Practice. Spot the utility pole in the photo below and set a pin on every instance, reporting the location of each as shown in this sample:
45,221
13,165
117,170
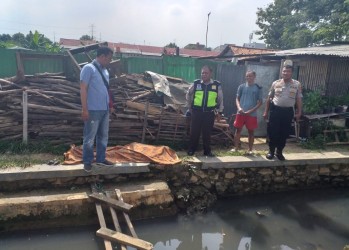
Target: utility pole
208,18
92,26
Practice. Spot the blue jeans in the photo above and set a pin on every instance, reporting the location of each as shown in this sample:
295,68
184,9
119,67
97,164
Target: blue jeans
96,127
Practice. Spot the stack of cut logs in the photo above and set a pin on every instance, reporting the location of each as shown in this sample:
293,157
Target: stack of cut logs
54,112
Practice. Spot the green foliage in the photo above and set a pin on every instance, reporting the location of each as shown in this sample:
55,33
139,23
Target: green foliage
286,24
313,102
7,44
318,142
17,154
34,41
18,147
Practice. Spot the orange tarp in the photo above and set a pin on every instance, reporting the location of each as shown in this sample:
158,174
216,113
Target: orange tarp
133,152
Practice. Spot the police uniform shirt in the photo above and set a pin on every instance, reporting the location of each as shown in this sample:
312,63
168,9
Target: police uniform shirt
190,95
285,94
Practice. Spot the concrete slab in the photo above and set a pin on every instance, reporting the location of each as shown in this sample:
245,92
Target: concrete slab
45,171
260,161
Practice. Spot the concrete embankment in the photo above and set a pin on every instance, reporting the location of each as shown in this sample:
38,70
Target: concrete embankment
45,195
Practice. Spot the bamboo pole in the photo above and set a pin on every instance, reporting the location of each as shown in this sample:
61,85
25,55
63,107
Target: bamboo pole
25,116
145,121
160,121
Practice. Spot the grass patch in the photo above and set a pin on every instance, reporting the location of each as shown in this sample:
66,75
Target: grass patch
18,147
27,160
316,143
18,154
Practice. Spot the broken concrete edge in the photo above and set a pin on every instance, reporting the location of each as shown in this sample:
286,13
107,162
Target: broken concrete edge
155,196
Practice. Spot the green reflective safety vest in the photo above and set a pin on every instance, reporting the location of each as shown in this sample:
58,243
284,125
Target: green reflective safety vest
205,96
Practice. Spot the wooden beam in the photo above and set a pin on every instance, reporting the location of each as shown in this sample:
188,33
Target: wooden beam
126,216
145,121
55,109
119,205
115,219
87,48
107,243
20,66
25,117
108,234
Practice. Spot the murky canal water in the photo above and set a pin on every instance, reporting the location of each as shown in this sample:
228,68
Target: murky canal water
301,220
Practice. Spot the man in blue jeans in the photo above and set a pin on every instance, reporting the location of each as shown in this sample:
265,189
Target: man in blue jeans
96,106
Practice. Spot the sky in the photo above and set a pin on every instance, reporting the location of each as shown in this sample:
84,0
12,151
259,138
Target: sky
142,22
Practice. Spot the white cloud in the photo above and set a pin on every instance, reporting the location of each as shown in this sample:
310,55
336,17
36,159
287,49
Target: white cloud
153,22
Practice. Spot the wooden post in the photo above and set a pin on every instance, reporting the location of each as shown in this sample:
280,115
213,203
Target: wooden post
25,116
126,216
176,126
20,66
145,121
77,67
160,121
115,219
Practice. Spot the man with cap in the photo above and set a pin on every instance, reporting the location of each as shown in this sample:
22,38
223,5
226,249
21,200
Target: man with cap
284,95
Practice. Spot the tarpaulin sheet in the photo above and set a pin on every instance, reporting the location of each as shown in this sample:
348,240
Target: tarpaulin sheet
130,153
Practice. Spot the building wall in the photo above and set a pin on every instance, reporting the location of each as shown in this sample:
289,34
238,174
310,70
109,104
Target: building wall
338,78
330,76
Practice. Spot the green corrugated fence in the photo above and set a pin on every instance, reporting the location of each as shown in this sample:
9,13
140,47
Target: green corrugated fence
186,68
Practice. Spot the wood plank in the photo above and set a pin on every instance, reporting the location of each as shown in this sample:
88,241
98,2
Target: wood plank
337,143
19,62
124,239
107,243
119,205
115,219
145,121
126,216
88,47
55,109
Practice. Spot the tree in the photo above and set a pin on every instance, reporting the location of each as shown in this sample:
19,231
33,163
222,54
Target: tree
5,38
34,41
171,45
19,39
85,37
286,24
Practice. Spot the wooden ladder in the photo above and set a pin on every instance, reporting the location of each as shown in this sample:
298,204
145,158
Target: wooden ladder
336,133
116,235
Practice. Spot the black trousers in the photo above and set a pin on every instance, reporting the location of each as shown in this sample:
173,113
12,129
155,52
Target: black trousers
279,127
201,123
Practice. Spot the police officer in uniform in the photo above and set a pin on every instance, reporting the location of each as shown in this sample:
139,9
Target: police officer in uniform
284,95
205,102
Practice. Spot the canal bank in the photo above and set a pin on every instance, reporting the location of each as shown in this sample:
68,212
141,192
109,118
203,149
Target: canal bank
56,195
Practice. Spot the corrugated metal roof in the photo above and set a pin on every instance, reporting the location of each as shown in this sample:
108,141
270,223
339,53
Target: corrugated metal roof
233,50
341,50
140,49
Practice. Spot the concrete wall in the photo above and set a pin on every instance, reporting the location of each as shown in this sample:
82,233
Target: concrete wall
190,187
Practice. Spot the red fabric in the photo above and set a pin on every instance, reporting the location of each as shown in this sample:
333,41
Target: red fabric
249,121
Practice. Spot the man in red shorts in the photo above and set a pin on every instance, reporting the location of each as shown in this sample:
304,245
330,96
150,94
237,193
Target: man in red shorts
248,100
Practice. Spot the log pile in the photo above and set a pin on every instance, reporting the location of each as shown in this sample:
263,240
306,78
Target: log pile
54,111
